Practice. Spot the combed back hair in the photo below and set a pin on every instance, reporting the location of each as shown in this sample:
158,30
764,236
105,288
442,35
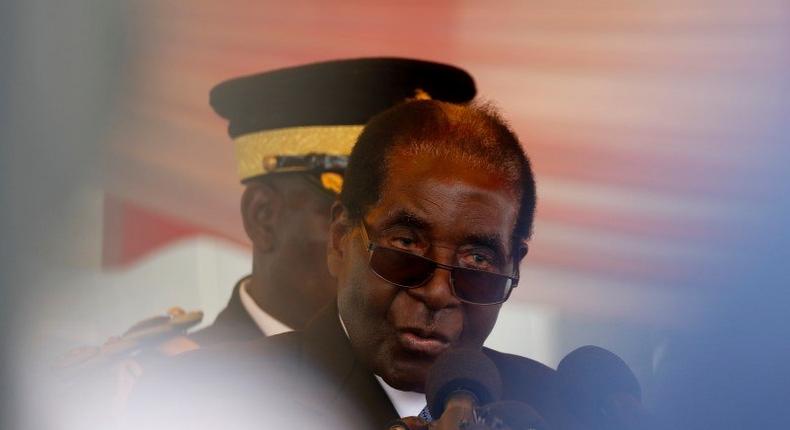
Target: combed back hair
474,134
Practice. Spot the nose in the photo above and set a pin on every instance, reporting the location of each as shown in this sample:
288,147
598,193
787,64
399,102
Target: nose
437,293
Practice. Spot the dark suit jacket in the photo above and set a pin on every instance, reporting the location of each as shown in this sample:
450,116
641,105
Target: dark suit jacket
311,376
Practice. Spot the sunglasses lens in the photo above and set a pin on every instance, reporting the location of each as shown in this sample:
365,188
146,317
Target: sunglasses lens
479,287
401,268
409,270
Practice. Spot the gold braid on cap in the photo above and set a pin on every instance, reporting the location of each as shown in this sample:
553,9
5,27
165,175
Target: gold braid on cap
254,148
254,151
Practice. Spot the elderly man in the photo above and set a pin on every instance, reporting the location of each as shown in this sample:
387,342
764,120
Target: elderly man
427,239
425,244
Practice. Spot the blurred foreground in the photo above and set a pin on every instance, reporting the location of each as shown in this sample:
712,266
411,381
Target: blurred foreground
658,133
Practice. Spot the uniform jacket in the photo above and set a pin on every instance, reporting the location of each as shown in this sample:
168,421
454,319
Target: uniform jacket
233,324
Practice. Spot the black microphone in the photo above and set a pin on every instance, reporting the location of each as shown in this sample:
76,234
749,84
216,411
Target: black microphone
463,391
600,389
463,374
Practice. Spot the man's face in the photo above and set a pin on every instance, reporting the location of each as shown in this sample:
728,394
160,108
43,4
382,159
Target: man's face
298,259
445,211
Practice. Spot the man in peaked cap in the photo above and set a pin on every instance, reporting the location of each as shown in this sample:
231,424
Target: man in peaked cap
293,130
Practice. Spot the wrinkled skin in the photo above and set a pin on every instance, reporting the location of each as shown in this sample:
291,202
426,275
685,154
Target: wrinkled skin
441,209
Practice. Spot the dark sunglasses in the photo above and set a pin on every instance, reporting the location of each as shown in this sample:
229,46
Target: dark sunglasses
406,270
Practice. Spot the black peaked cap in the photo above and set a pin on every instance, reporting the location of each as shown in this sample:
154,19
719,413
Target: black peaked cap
342,92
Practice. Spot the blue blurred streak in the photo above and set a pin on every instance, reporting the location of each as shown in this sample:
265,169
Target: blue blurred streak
731,369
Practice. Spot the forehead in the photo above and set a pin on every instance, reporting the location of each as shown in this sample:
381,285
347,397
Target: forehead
451,196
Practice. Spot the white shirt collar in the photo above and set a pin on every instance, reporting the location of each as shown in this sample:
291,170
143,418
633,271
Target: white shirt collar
269,325
407,403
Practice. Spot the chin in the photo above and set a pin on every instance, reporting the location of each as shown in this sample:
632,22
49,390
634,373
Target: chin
408,382
408,373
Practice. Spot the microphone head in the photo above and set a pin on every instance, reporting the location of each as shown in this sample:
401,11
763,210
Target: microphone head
596,385
461,369
512,414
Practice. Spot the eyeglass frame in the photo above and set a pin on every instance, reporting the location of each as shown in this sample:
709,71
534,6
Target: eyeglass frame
371,246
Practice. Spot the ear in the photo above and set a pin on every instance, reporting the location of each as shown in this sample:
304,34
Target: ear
523,249
339,229
260,210
519,252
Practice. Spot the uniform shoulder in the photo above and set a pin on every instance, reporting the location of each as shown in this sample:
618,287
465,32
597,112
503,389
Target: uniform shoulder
162,335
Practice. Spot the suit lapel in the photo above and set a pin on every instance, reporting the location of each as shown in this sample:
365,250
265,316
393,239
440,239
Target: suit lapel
349,387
